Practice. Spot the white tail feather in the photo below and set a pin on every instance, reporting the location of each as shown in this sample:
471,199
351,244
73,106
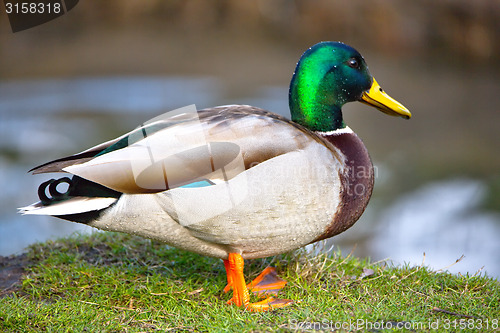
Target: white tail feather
71,206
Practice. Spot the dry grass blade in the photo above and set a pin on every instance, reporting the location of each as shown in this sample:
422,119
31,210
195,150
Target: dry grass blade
436,309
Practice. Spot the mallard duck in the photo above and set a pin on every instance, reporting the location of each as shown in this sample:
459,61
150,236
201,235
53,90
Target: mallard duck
234,182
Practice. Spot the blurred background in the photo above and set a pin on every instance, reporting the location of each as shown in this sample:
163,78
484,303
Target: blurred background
106,66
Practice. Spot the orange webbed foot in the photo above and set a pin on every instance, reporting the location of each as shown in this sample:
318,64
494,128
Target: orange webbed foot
267,282
269,304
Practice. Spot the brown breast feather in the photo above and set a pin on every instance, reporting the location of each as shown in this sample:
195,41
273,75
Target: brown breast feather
357,183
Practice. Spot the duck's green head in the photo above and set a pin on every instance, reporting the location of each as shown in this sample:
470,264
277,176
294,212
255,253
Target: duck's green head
328,75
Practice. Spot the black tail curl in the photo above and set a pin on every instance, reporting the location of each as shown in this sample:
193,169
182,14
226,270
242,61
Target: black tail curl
77,186
55,195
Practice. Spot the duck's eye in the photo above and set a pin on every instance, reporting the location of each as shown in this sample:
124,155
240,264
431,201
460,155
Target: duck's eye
353,63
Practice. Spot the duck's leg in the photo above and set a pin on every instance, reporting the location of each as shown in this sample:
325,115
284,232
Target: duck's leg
241,297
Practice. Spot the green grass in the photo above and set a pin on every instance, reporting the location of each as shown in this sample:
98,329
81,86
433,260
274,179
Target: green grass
109,282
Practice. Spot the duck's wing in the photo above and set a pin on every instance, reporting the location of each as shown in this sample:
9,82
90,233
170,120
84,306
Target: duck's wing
84,156
149,127
210,145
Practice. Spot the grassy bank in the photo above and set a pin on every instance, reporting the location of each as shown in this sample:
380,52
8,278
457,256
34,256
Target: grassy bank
108,282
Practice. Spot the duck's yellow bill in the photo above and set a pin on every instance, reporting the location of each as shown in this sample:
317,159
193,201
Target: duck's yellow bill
377,98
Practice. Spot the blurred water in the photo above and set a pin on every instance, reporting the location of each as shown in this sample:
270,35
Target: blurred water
444,221
46,119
